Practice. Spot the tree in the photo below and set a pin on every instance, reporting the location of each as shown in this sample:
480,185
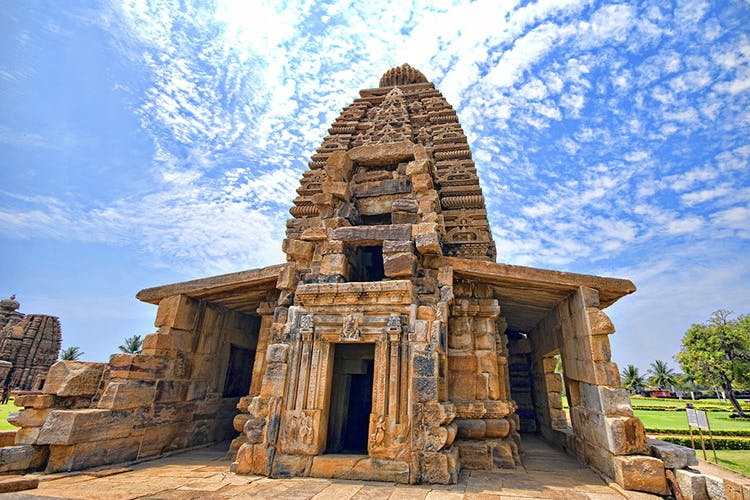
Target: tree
632,380
661,374
132,345
718,353
71,353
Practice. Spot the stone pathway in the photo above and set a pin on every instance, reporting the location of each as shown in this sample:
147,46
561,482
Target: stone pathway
203,473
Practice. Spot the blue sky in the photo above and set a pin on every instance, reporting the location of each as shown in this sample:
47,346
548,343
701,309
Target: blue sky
143,143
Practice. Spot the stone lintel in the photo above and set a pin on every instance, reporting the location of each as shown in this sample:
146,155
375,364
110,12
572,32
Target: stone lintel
387,292
214,286
610,289
373,234
382,154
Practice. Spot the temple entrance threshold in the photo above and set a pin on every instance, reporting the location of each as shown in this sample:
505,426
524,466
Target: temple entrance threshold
547,473
351,398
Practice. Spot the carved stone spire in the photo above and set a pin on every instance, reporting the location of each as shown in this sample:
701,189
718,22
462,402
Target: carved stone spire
402,75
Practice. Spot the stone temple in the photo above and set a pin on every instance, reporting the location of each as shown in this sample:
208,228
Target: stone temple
389,346
29,345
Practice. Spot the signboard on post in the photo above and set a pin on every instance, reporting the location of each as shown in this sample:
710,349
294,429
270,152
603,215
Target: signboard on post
702,420
692,417
699,419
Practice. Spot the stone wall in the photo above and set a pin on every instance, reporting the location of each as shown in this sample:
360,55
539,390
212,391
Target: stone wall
140,405
604,432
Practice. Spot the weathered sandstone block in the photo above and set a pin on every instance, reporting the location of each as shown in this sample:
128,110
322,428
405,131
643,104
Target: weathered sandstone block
73,378
334,264
715,487
418,167
83,455
177,311
28,417
421,182
612,402
599,322
139,367
37,401
298,249
396,246
382,154
340,190
372,234
339,166
127,394
397,265
626,435
475,454
289,465
66,427
692,484
7,438
641,473
22,457
673,455
18,483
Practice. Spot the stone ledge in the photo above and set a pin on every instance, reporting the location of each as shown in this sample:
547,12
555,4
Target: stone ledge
359,467
17,483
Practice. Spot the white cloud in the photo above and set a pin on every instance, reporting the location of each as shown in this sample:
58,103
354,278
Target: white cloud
686,225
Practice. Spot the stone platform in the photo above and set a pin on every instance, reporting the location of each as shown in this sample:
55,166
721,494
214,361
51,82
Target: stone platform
203,473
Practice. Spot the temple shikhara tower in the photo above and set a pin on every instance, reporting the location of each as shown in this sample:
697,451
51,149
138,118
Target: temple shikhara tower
29,345
389,346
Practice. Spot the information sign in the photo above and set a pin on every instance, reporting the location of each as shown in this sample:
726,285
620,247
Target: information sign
702,419
692,417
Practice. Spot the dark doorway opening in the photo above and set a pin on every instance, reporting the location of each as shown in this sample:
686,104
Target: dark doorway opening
367,264
376,220
351,398
239,371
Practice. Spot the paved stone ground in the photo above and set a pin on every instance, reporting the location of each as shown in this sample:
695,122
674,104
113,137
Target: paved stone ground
203,473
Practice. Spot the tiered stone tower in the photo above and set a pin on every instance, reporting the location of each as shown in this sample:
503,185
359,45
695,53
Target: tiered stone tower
30,343
389,346
405,120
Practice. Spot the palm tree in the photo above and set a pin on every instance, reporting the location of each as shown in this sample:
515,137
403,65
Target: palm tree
632,380
132,345
71,353
661,374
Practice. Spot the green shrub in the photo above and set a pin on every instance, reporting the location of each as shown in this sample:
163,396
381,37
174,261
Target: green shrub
716,433
721,443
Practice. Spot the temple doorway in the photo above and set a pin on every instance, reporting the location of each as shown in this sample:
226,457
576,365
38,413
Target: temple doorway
351,398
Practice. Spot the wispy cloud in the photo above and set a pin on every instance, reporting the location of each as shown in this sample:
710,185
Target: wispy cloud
597,127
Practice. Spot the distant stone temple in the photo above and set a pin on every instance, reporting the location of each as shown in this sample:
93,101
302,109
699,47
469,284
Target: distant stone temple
29,345
390,345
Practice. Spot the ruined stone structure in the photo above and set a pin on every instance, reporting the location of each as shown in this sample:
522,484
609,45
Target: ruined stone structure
29,345
389,346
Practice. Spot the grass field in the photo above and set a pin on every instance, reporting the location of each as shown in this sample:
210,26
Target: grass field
660,419
4,411
734,460
639,401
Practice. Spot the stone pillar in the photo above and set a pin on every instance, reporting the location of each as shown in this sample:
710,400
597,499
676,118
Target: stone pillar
487,430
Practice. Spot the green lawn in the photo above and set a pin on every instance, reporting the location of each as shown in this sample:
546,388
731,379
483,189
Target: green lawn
735,460
640,401
4,410
660,419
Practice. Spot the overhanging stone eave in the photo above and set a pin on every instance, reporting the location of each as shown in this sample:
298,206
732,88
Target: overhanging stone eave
225,289
610,289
